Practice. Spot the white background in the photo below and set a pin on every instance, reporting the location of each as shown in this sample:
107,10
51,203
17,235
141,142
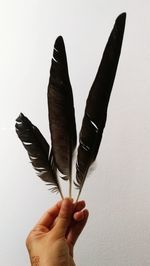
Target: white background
117,192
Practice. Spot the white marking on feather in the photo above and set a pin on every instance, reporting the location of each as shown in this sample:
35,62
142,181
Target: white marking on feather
41,173
61,175
56,50
27,143
40,168
55,60
19,122
33,158
96,128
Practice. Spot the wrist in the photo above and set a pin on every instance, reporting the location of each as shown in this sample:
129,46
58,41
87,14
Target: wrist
35,261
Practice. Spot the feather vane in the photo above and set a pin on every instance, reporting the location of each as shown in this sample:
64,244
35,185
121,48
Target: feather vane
97,103
50,163
61,112
38,150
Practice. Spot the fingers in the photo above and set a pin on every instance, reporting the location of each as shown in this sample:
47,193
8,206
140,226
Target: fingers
78,206
60,216
78,215
77,227
49,216
64,217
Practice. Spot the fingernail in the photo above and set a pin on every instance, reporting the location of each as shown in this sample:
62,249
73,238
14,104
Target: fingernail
70,199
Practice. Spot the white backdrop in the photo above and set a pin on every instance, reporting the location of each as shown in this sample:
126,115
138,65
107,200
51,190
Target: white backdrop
118,191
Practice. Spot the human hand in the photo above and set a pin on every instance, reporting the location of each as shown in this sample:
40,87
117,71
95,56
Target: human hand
51,241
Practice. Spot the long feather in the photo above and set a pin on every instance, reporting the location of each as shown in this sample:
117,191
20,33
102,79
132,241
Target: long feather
97,102
38,151
61,112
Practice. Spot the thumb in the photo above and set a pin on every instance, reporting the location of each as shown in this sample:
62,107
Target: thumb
64,217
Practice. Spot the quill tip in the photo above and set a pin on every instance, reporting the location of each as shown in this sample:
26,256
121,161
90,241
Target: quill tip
20,117
120,25
59,50
22,121
121,18
59,42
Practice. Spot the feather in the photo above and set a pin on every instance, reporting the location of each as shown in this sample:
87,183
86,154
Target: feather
97,102
38,150
61,112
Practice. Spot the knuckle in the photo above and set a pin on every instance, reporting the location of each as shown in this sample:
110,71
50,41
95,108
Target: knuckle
28,241
30,238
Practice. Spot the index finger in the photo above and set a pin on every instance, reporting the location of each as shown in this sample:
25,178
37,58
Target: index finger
49,216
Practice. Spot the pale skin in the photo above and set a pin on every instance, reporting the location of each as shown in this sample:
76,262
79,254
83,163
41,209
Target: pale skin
52,240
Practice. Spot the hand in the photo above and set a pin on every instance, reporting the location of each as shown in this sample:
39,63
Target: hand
51,241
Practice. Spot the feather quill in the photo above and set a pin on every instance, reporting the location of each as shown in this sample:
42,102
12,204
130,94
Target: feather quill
61,112
97,102
38,151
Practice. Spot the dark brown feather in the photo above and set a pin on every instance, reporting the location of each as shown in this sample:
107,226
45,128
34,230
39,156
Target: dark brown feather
97,102
38,151
61,111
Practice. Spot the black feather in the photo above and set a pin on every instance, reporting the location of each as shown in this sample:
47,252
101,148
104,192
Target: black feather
62,117
61,112
38,151
97,102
